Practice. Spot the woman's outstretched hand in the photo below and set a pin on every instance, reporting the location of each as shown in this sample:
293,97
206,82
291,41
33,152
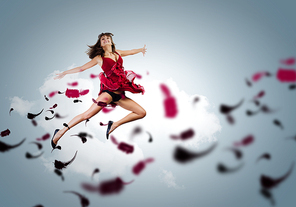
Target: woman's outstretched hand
144,49
59,76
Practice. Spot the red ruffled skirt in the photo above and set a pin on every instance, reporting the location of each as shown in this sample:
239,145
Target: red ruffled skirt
116,79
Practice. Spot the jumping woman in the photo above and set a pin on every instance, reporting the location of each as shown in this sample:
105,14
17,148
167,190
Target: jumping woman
114,82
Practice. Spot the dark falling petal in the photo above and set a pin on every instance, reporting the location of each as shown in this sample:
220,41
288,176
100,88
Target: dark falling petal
83,138
257,103
248,83
30,156
245,141
266,109
65,125
5,147
238,153
47,118
137,130
195,100
90,187
77,100
268,182
83,200
54,106
230,119
102,124
125,147
11,109
61,165
111,186
32,116
59,173
51,111
187,134
44,137
278,123
59,92
97,170
46,98
150,137
59,116
264,156
34,122
251,113
225,109
38,205
268,195
39,145
5,133
292,87
183,155
87,120
57,147
224,169
113,139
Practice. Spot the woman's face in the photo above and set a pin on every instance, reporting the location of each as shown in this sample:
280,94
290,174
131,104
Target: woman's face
106,40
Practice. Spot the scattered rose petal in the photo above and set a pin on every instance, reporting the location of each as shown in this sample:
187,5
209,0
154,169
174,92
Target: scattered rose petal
34,122
224,169
286,75
83,200
264,156
288,61
268,182
39,145
245,141
248,83
54,106
5,133
59,173
106,110
73,84
44,137
11,109
97,170
52,94
225,109
5,147
278,123
77,100
139,167
61,165
238,153
187,134
30,156
46,98
32,116
268,195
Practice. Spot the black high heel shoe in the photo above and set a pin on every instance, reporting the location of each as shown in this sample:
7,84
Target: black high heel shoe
108,129
52,143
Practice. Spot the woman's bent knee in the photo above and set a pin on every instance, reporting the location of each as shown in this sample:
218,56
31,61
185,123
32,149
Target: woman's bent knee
142,113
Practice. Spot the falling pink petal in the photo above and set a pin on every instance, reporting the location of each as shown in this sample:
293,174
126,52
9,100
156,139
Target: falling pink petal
113,139
139,167
138,76
83,92
106,110
245,141
102,124
93,76
257,76
5,133
52,94
44,137
260,95
112,186
288,61
286,75
72,93
165,90
170,106
187,134
73,84
147,72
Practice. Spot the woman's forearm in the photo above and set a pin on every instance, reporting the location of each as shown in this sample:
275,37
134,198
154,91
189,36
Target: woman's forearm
74,70
136,51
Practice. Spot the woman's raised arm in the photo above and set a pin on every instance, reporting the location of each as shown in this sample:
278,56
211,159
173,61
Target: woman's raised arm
86,66
132,52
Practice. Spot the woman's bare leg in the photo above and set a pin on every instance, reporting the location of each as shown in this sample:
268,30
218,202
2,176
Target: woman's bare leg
137,112
93,110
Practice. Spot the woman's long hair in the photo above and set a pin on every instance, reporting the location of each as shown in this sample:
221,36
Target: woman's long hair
97,49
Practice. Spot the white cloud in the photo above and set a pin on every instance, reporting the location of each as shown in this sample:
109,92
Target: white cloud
168,178
20,105
103,154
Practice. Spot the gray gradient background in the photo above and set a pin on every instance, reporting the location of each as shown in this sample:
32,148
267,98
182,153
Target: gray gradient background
207,47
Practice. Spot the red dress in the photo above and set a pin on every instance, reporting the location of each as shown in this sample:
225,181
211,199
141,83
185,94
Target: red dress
115,78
